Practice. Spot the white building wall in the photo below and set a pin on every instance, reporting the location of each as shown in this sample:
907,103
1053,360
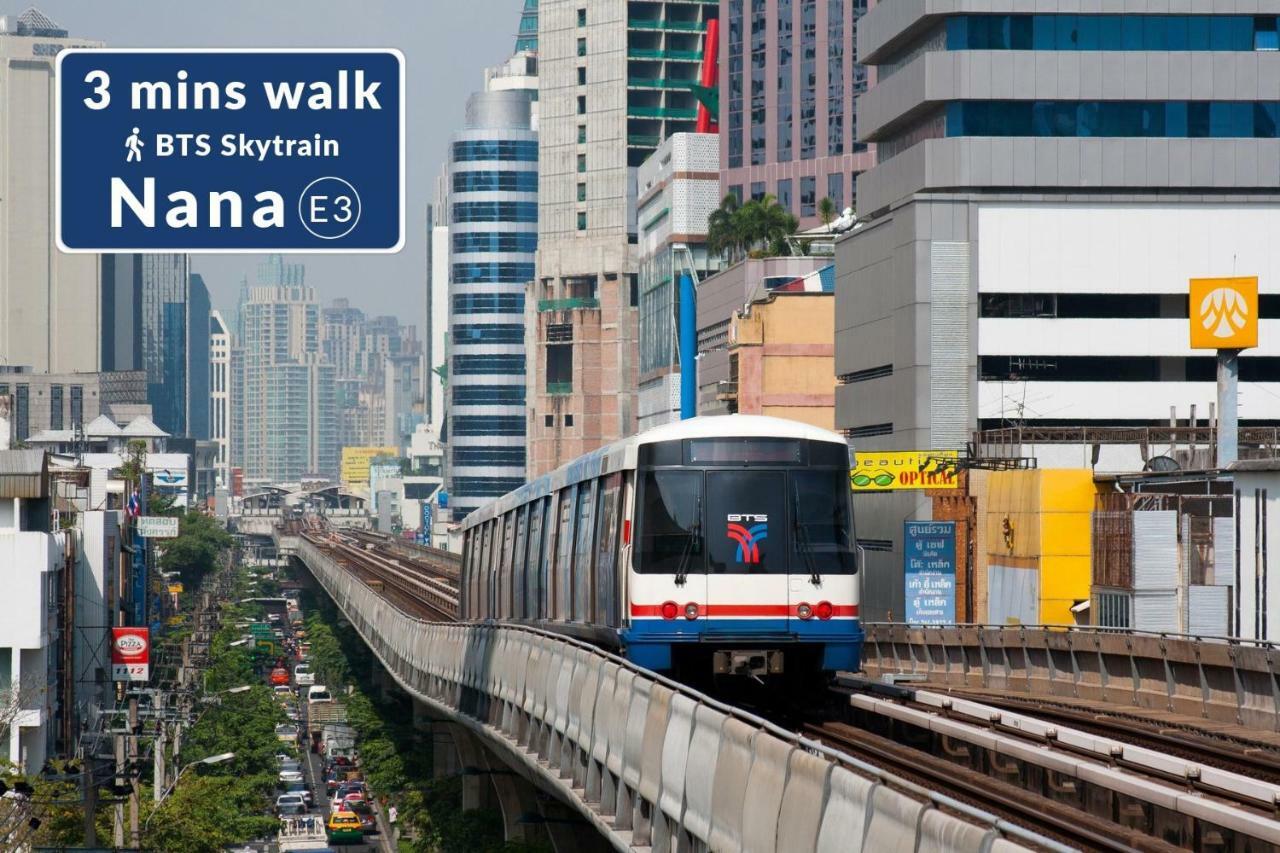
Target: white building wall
1257,611
1140,248
26,562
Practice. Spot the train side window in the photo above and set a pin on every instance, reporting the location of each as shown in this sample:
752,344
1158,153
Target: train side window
530,608
518,563
607,551
482,571
508,558
583,564
564,555
464,602
551,528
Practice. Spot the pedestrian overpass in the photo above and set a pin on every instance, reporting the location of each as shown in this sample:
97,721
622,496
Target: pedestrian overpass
629,756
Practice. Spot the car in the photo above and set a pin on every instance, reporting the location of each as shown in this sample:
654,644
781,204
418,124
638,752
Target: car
350,786
303,675
291,804
287,777
349,799
302,789
290,764
344,827
279,676
318,693
287,732
283,690
331,782
368,821
282,757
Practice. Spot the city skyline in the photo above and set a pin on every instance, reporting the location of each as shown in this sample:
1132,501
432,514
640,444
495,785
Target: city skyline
447,45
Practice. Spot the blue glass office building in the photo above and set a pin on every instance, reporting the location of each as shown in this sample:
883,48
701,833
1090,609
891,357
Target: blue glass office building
493,235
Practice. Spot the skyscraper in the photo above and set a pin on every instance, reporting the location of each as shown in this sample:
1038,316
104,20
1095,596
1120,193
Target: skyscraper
788,109
493,201
50,302
615,80
288,416
164,293
220,415
198,356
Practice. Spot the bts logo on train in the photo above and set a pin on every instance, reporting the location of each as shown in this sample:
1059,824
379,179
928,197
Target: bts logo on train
748,538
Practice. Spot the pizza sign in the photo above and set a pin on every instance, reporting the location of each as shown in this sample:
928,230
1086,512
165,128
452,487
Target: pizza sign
130,654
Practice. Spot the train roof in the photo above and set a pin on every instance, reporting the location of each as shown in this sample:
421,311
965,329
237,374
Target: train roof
612,456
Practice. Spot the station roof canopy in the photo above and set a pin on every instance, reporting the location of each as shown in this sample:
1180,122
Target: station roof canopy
24,474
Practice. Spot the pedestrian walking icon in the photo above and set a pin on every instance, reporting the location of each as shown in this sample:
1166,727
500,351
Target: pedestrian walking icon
134,143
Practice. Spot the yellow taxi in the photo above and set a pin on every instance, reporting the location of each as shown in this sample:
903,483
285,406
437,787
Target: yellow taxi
344,827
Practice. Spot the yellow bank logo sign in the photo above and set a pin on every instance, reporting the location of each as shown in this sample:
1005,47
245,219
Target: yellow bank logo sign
1224,313
891,470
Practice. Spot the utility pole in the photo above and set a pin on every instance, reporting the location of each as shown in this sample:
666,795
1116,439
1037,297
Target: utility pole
135,837
117,835
90,795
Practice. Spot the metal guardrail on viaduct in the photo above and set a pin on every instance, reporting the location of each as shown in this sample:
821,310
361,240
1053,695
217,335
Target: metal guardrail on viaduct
647,762
1224,680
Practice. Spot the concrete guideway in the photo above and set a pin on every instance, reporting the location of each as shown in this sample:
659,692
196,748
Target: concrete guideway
642,760
1226,686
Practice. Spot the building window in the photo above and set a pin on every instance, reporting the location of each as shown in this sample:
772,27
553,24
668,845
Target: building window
495,211
488,395
808,79
582,163
757,190
522,151
582,220
487,425
481,303
494,241
488,333
582,75
548,420
21,412
560,369
735,66
808,196
785,90
55,407
1160,119
759,85
1112,32
582,134
582,191
568,420
77,404
582,17
582,47
835,190
784,193
481,182
735,190
582,105
492,272
475,365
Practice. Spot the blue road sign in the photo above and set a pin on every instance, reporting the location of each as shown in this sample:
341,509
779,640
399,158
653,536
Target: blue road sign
230,150
929,557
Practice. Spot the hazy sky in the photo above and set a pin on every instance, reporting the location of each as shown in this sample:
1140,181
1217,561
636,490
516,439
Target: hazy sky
447,44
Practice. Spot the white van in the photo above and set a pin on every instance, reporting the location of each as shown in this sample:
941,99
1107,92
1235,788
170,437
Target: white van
318,693
303,676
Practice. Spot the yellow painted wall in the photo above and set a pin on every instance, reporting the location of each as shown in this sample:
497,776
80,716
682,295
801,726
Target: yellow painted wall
1050,512
355,462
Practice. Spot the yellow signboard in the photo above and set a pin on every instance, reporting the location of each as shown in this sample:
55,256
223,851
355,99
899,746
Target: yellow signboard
1224,313
355,463
893,470
175,588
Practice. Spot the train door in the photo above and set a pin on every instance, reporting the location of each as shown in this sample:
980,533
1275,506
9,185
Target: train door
747,559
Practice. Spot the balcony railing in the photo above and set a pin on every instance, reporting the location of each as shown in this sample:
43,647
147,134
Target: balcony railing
663,24
559,389
568,304
653,53
663,112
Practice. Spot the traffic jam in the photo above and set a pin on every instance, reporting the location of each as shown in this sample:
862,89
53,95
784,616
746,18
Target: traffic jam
323,798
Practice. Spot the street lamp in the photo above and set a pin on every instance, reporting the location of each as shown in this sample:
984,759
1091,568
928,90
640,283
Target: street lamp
212,759
214,696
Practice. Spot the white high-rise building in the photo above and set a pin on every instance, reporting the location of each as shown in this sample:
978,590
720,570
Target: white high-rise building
435,343
50,302
220,395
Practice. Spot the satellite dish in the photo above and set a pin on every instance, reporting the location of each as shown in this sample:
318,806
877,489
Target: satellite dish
1162,464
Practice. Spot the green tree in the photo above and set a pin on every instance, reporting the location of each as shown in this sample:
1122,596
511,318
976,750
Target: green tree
827,211
200,543
722,228
758,228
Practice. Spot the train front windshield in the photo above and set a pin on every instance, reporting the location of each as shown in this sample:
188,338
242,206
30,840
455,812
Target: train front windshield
753,520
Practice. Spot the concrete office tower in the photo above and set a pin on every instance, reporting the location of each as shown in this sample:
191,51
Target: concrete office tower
289,418
50,302
198,359
615,80
220,416
678,189
435,341
788,115
1047,185
493,201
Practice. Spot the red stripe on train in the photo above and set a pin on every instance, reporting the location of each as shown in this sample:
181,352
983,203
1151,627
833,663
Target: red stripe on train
730,610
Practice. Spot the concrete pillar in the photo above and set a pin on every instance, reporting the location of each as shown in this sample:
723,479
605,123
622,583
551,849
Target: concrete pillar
517,800
475,777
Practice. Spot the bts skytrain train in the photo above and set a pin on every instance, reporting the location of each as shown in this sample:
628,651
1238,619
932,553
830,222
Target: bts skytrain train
715,545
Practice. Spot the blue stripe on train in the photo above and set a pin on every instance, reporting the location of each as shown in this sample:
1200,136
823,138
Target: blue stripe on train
649,641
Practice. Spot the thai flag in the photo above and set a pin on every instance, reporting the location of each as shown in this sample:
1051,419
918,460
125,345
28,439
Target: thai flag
134,507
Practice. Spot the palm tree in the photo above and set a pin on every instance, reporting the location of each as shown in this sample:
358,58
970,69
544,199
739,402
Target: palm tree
723,227
827,211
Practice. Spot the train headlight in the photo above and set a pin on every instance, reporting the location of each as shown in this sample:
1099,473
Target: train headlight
670,609
824,610
691,611
804,611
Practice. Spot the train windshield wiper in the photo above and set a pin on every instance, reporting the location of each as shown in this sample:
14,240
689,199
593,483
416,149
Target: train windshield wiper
802,540
682,570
